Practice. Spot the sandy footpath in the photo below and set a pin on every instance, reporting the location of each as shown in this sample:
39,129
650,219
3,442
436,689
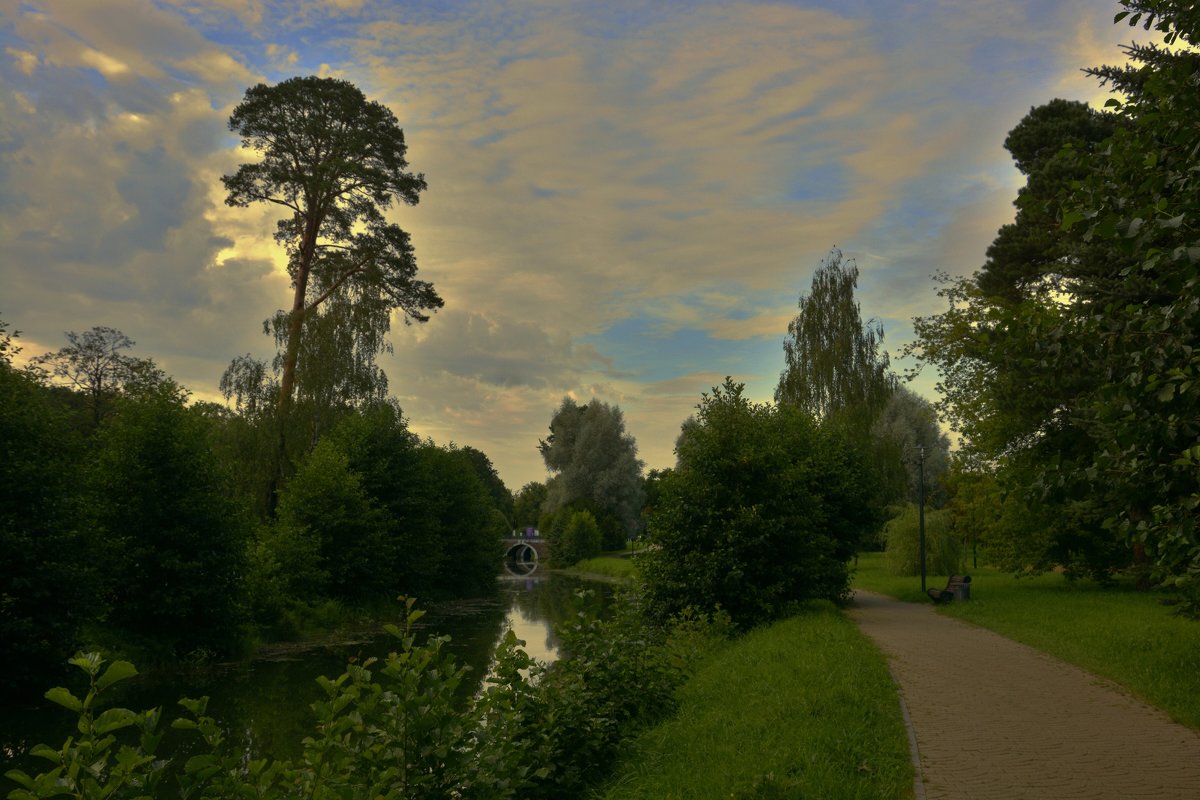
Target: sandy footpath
994,719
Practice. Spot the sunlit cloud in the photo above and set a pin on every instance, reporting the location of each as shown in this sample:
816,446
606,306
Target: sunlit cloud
624,202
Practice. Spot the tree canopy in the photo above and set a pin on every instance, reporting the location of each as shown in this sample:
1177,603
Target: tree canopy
1070,366
833,360
596,464
764,508
334,162
93,363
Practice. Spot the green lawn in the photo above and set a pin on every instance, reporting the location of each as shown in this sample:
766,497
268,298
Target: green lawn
1119,633
803,708
609,566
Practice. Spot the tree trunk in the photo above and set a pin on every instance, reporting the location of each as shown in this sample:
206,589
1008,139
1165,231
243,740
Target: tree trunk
287,380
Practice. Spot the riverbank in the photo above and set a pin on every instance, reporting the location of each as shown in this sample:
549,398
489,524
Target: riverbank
801,708
612,567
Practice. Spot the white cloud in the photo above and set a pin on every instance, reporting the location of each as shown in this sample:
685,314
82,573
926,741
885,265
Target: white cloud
687,167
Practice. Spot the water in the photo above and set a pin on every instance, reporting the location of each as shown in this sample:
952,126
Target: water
264,703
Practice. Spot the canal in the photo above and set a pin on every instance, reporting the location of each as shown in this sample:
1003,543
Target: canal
263,703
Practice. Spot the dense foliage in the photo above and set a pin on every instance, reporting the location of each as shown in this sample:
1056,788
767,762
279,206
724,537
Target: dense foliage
174,539
764,508
1069,361
46,577
596,469
148,533
396,727
833,361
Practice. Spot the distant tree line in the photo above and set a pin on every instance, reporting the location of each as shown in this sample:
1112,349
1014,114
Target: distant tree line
131,518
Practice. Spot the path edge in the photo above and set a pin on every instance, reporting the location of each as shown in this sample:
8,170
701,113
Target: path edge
914,751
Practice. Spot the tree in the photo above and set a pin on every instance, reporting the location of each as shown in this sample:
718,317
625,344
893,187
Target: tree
1143,335
48,586
836,372
596,464
580,539
175,540
833,362
1051,146
527,505
93,364
1078,388
502,498
456,519
763,509
335,162
907,424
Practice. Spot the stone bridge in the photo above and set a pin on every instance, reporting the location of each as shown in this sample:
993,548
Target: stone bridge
525,548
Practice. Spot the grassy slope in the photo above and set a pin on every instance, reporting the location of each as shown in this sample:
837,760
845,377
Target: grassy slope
609,566
1119,633
803,708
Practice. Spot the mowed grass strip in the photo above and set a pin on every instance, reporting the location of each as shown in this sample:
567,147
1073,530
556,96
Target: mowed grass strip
1116,632
803,708
610,566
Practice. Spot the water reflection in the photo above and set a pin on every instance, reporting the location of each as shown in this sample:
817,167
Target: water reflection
264,703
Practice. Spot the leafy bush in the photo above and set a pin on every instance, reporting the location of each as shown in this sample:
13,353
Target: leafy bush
580,539
763,510
394,728
943,549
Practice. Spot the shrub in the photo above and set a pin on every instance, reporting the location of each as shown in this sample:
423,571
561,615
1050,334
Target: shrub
580,539
943,550
764,509
396,728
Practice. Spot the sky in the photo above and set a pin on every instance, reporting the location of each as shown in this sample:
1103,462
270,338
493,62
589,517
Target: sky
625,201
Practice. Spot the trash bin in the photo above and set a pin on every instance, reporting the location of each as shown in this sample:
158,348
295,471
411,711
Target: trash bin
960,586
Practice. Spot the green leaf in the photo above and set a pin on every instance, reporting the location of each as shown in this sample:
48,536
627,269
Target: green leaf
17,776
197,763
48,753
1071,218
117,671
197,707
114,719
65,699
88,662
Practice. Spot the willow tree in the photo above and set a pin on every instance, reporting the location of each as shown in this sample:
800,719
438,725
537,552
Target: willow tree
595,467
334,162
833,360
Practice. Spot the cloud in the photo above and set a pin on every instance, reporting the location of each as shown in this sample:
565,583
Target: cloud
624,201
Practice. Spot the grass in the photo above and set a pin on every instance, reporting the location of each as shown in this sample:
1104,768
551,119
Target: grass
609,566
802,708
1127,636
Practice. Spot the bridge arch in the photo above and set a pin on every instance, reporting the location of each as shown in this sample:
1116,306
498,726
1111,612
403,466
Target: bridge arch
522,552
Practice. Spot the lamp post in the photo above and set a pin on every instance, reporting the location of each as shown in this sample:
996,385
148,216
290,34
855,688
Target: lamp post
921,509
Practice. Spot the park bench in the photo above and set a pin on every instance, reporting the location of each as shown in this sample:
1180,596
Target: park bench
957,588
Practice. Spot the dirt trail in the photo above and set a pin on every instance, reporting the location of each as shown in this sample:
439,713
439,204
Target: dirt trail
993,718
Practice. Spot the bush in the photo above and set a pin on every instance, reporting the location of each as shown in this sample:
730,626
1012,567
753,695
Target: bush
397,728
764,509
580,539
943,550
